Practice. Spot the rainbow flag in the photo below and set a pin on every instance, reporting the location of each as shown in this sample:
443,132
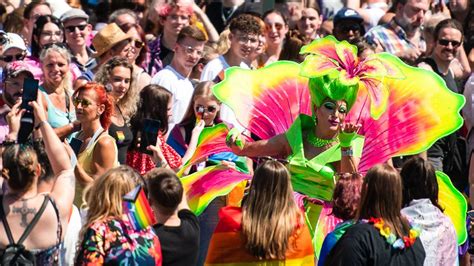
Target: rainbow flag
227,245
211,141
136,207
204,186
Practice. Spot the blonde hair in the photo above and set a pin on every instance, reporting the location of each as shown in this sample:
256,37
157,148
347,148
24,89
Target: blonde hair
128,104
223,44
270,214
66,83
103,197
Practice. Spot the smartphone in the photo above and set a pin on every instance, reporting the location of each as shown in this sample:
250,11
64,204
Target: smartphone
76,144
30,93
149,134
199,114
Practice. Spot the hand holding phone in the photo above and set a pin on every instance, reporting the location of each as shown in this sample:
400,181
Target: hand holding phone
149,134
30,93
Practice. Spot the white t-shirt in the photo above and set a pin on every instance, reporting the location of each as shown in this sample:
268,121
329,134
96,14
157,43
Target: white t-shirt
181,88
209,73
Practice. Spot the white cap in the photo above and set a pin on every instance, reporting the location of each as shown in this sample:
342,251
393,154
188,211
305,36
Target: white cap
14,41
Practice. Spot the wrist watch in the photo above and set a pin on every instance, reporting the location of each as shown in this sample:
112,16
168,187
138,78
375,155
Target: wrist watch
347,152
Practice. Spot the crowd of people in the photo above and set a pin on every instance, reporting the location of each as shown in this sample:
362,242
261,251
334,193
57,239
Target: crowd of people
85,84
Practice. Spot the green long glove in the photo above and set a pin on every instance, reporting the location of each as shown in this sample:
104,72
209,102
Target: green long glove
345,139
234,133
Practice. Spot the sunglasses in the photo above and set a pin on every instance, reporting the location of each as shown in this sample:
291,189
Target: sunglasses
84,103
138,44
263,159
73,28
455,44
11,58
350,27
278,26
202,109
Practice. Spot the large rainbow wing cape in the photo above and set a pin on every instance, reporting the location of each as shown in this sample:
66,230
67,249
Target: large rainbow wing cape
268,100
204,186
420,108
454,205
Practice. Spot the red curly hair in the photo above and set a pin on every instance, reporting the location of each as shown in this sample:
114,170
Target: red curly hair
102,98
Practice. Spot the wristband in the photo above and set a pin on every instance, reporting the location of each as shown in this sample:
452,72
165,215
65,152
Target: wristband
347,152
345,139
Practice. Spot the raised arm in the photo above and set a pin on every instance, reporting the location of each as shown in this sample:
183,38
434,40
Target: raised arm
64,185
277,146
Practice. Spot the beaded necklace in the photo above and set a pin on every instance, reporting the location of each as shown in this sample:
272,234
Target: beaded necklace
319,142
400,243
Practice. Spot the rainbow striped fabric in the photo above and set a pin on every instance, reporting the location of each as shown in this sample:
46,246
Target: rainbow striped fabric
227,247
136,207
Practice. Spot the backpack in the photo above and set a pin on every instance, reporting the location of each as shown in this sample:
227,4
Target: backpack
15,253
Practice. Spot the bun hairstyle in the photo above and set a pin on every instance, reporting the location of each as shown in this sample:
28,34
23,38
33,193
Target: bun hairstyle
19,166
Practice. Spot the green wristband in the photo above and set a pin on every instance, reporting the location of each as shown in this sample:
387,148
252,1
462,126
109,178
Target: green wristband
234,133
345,139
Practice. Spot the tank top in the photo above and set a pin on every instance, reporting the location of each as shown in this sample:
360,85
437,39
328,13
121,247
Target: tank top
85,159
123,138
448,78
58,118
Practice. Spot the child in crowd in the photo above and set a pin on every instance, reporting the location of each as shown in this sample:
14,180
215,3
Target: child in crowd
177,227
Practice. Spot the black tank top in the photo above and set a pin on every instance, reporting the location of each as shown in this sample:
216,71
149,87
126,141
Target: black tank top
448,78
123,138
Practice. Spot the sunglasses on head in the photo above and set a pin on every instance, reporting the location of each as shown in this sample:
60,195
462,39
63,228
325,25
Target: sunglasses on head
263,159
202,109
138,44
73,28
447,42
10,58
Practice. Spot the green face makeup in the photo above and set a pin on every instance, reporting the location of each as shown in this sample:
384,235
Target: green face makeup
332,106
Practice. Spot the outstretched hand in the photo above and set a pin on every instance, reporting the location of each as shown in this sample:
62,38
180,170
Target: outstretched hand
38,110
347,133
235,141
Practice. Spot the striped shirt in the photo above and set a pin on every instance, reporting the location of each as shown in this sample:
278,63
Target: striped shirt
393,38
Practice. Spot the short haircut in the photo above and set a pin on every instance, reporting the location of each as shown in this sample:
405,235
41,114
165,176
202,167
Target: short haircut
192,32
246,24
165,188
113,17
33,5
448,23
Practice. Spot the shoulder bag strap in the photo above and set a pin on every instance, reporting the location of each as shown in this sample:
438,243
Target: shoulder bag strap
34,221
5,223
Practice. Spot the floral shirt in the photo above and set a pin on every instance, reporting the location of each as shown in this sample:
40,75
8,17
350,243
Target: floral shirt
114,242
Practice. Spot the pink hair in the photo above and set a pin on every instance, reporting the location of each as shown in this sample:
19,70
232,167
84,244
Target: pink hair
166,9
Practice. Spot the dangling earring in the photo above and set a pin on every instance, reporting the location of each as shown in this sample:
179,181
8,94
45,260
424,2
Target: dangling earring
315,119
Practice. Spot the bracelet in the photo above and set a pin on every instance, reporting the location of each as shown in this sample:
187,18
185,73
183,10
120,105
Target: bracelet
9,142
40,124
347,152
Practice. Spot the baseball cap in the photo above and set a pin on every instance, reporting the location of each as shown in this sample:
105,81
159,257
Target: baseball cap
14,40
74,13
347,14
13,69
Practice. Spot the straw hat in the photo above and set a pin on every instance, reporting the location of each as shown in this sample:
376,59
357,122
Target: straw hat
107,38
